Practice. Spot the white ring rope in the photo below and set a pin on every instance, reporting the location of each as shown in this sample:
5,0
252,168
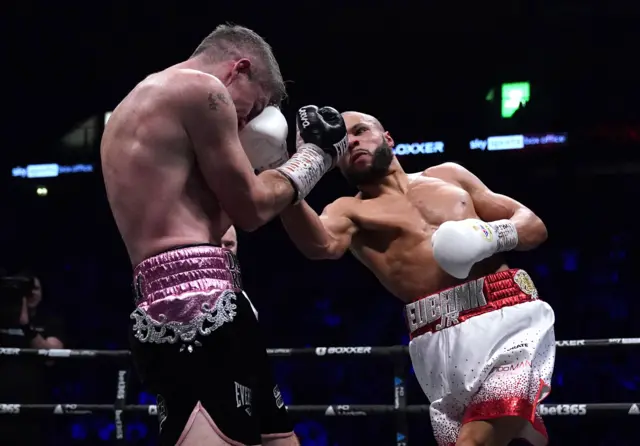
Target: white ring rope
326,410
400,407
306,351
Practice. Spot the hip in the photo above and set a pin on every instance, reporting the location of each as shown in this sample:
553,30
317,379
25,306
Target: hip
452,306
489,331
512,339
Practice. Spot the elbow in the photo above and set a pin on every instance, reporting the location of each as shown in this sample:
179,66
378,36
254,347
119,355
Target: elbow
532,231
249,223
534,236
251,218
541,230
333,254
324,253
257,212
316,252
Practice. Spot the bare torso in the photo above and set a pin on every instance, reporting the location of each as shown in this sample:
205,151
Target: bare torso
157,194
394,236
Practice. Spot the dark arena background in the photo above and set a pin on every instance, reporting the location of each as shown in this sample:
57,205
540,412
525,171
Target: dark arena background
540,102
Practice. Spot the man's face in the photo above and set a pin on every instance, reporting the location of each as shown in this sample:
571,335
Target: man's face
369,156
247,95
230,240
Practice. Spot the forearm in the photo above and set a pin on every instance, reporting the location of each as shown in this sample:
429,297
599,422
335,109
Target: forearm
272,193
306,230
292,181
530,228
280,193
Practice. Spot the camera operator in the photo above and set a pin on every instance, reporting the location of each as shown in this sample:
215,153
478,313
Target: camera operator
32,328
25,380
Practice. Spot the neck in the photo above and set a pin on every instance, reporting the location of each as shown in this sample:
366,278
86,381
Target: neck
395,182
200,63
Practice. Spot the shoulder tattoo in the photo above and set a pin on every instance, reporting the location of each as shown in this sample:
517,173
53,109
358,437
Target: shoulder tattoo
217,100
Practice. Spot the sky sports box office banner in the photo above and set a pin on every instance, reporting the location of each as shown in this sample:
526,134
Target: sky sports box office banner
492,143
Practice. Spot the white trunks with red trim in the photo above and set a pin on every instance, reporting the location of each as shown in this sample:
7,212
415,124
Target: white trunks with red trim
483,350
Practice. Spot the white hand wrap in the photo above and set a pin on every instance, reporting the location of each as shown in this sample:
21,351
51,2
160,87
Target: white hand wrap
305,168
458,245
506,234
264,139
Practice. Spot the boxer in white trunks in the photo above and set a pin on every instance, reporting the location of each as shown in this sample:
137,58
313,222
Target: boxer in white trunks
482,342
177,176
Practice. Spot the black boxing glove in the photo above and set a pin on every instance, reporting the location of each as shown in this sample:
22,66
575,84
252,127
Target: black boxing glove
324,128
325,140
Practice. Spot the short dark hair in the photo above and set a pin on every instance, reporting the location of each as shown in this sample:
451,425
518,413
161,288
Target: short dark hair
231,41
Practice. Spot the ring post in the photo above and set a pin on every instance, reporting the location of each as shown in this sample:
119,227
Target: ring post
400,400
119,406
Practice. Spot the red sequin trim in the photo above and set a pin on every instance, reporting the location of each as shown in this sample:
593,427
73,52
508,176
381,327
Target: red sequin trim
515,407
505,407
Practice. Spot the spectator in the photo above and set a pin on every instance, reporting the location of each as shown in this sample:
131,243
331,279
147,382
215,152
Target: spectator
230,240
23,380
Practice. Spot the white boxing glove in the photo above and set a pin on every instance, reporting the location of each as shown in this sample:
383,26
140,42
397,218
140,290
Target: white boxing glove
264,139
458,245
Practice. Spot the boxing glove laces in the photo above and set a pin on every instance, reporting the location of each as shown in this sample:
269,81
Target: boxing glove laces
325,140
264,139
458,245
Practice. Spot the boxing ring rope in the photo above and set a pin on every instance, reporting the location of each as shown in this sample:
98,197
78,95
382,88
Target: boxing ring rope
400,408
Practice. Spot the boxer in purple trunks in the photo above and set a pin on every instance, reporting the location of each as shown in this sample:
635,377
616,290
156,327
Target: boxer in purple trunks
179,156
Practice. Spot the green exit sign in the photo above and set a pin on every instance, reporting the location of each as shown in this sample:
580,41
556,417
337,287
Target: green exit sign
514,95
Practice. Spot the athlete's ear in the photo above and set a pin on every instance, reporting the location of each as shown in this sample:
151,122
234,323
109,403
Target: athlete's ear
242,66
387,137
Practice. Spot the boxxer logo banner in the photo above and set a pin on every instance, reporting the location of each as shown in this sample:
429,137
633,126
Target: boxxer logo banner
321,351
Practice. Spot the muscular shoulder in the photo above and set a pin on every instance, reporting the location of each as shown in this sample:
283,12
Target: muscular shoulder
193,87
202,102
458,175
193,79
448,168
443,171
450,172
343,206
173,91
